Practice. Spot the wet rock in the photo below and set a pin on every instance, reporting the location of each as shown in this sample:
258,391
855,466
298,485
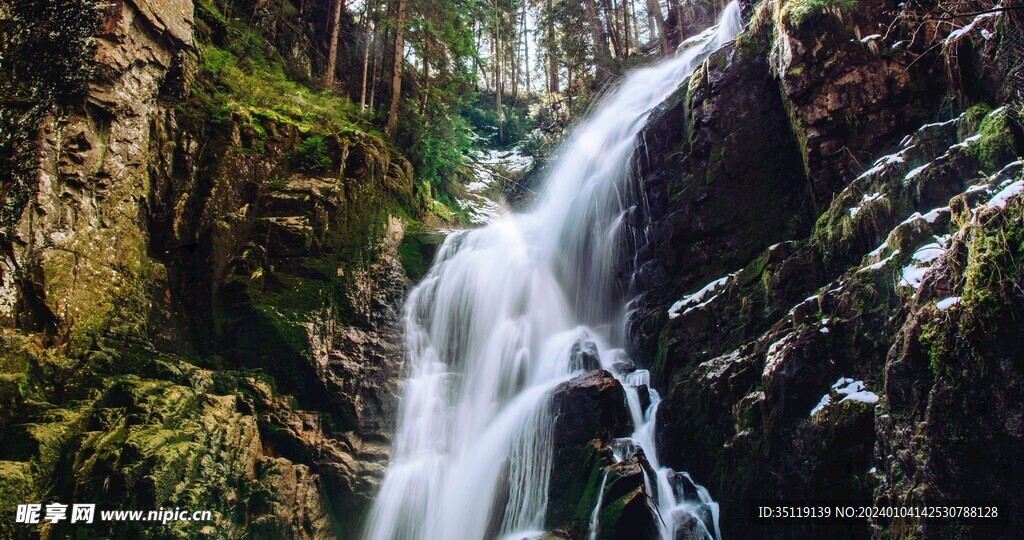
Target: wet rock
589,409
717,192
591,406
628,517
584,356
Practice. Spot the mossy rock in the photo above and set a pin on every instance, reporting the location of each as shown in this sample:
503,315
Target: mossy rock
16,487
1000,140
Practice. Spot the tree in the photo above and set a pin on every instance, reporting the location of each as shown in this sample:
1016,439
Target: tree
551,48
602,55
654,11
332,54
396,68
497,68
367,35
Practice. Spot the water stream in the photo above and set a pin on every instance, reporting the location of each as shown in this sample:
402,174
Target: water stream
491,329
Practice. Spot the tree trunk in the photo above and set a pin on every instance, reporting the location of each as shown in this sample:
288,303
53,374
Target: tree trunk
655,11
626,28
425,85
396,69
366,56
601,52
611,23
332,50
477,31
552,49
568,85
377,59
526,51
675,17
636,23
497,70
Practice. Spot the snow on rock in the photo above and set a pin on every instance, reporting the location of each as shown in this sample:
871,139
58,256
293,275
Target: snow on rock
910,175
850,389
1001,198
921,263
865,200
967,142
488,167
880,264
884,161
947,303
700,298
940,124
825,401
878,250
961,32
854,391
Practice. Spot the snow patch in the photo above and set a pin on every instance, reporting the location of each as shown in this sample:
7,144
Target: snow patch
850,389
961,32
1001,198
910,175
940,124
700,298
865,200
825,400
931,217
854,391
878,250
880,264
921,263
947,303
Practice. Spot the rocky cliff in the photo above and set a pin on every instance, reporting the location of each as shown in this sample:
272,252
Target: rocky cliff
201,277
828,290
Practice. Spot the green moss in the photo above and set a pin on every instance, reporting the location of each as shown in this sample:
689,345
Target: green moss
15,488
969,123
757,39
936,339
996,253
311,156
998,142
243,81
800,11
578,477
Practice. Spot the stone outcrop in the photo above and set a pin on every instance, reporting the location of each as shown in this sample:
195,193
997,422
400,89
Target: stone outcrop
189,320
834,354
590,410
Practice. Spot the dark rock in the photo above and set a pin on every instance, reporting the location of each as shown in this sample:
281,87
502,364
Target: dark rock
628,517
591,406
717,192
589,409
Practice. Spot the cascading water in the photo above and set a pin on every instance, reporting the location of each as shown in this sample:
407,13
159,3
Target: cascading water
491,329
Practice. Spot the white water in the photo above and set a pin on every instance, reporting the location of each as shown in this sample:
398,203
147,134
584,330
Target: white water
490,332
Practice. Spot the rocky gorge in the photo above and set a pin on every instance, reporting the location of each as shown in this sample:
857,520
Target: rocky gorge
189,319
201,293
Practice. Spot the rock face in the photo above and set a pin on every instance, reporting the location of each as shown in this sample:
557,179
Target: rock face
591,406
189,319
590,411
840,326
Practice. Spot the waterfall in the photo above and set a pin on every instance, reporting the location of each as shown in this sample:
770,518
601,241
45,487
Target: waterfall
491,329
